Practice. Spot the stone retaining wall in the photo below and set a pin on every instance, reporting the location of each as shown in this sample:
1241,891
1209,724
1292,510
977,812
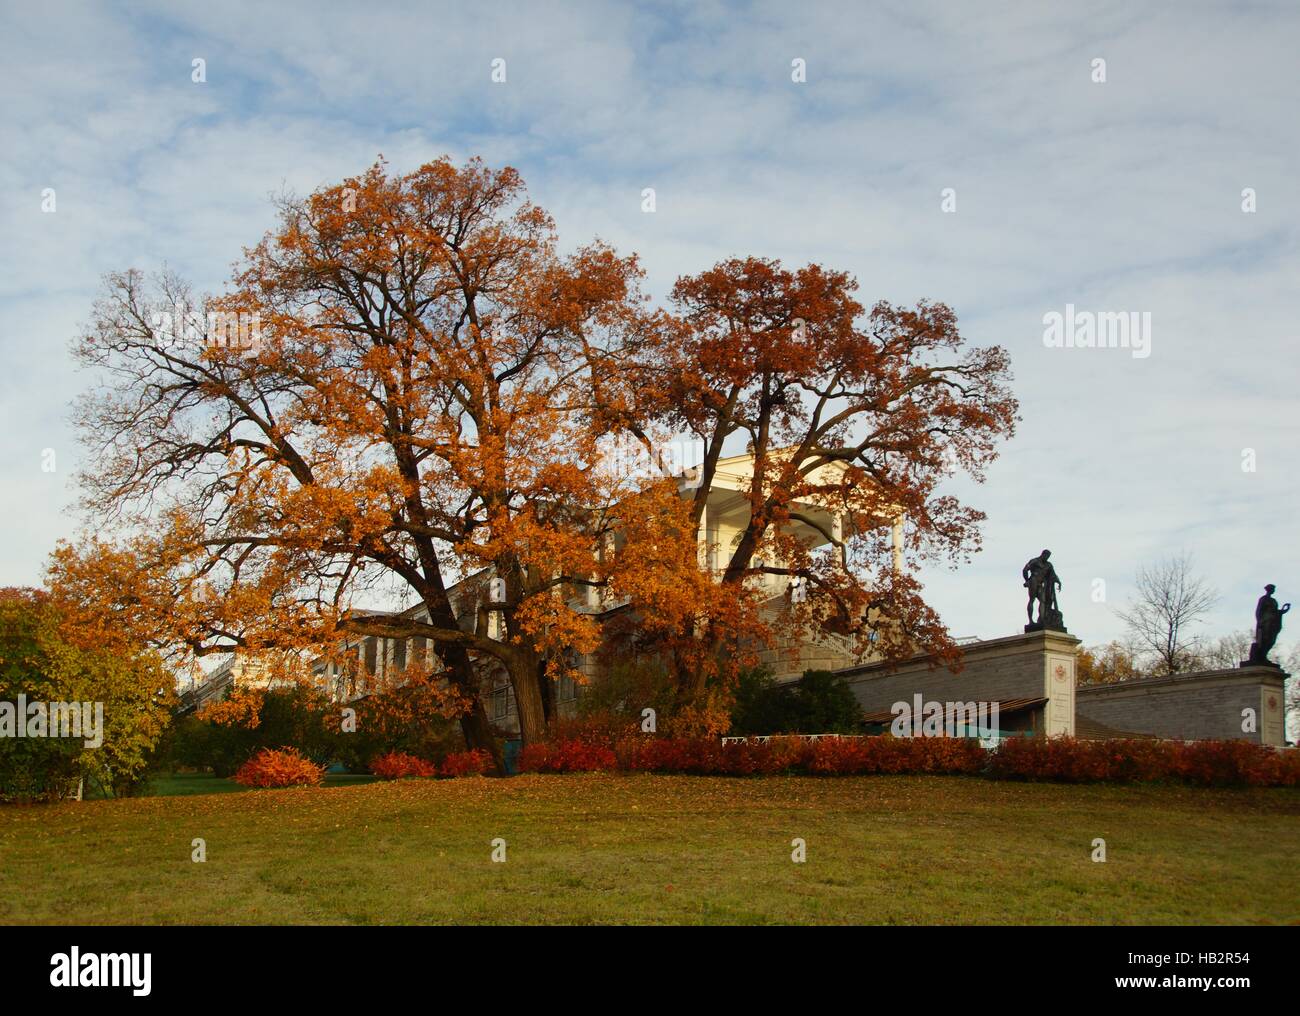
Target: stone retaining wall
1200,706
1038,664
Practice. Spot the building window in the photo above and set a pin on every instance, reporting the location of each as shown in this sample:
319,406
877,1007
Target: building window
503,702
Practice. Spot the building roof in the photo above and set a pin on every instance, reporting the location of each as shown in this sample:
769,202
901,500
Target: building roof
1090,730
1007,707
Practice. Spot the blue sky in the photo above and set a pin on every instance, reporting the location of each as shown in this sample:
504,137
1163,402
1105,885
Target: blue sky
1115,196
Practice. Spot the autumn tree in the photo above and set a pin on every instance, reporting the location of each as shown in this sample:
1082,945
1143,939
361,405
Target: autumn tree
1109,664
46,660
854,419
424,403
419,402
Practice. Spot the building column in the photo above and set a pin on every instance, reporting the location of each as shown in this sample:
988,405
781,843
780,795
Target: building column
606,552
702,539
896,539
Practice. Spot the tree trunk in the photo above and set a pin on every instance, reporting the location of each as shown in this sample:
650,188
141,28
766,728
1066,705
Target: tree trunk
474,724
478,734
528,698
546,687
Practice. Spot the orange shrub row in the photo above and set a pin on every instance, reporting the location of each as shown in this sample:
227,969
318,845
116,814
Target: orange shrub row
396,765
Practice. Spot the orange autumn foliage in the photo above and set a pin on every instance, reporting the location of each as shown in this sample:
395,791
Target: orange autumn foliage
429,402
853,419
474,762
241,708
284,768
424,402
397,765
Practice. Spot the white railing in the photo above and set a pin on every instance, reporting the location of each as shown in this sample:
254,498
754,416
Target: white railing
764,738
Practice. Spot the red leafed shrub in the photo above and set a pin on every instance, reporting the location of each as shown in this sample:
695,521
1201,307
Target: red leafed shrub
1235,763
1064,759
671,755
785,755
954,755
843,757
1202,763
1133,761
534,758
474,762
894,755
396,765
683,755
1070,760
566,757
284,768
745,758
597,728
706,756
1288,768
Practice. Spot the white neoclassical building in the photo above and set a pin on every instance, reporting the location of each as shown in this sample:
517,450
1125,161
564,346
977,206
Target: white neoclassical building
725,517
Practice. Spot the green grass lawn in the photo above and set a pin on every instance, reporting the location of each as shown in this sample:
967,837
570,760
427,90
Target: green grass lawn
184,784
642,848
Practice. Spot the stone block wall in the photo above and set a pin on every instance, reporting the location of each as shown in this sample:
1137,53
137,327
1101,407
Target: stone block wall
1038,664
1205,705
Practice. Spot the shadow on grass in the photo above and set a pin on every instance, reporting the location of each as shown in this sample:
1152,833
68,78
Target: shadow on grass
189,784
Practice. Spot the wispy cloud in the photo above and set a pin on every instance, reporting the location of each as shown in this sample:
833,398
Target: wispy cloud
1120,196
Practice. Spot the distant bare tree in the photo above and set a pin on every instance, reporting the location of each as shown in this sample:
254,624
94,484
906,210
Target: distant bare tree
1226,651
1170,599
1291,701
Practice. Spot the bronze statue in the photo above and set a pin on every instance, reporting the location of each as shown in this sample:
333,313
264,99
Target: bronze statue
1042,582
1268,626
